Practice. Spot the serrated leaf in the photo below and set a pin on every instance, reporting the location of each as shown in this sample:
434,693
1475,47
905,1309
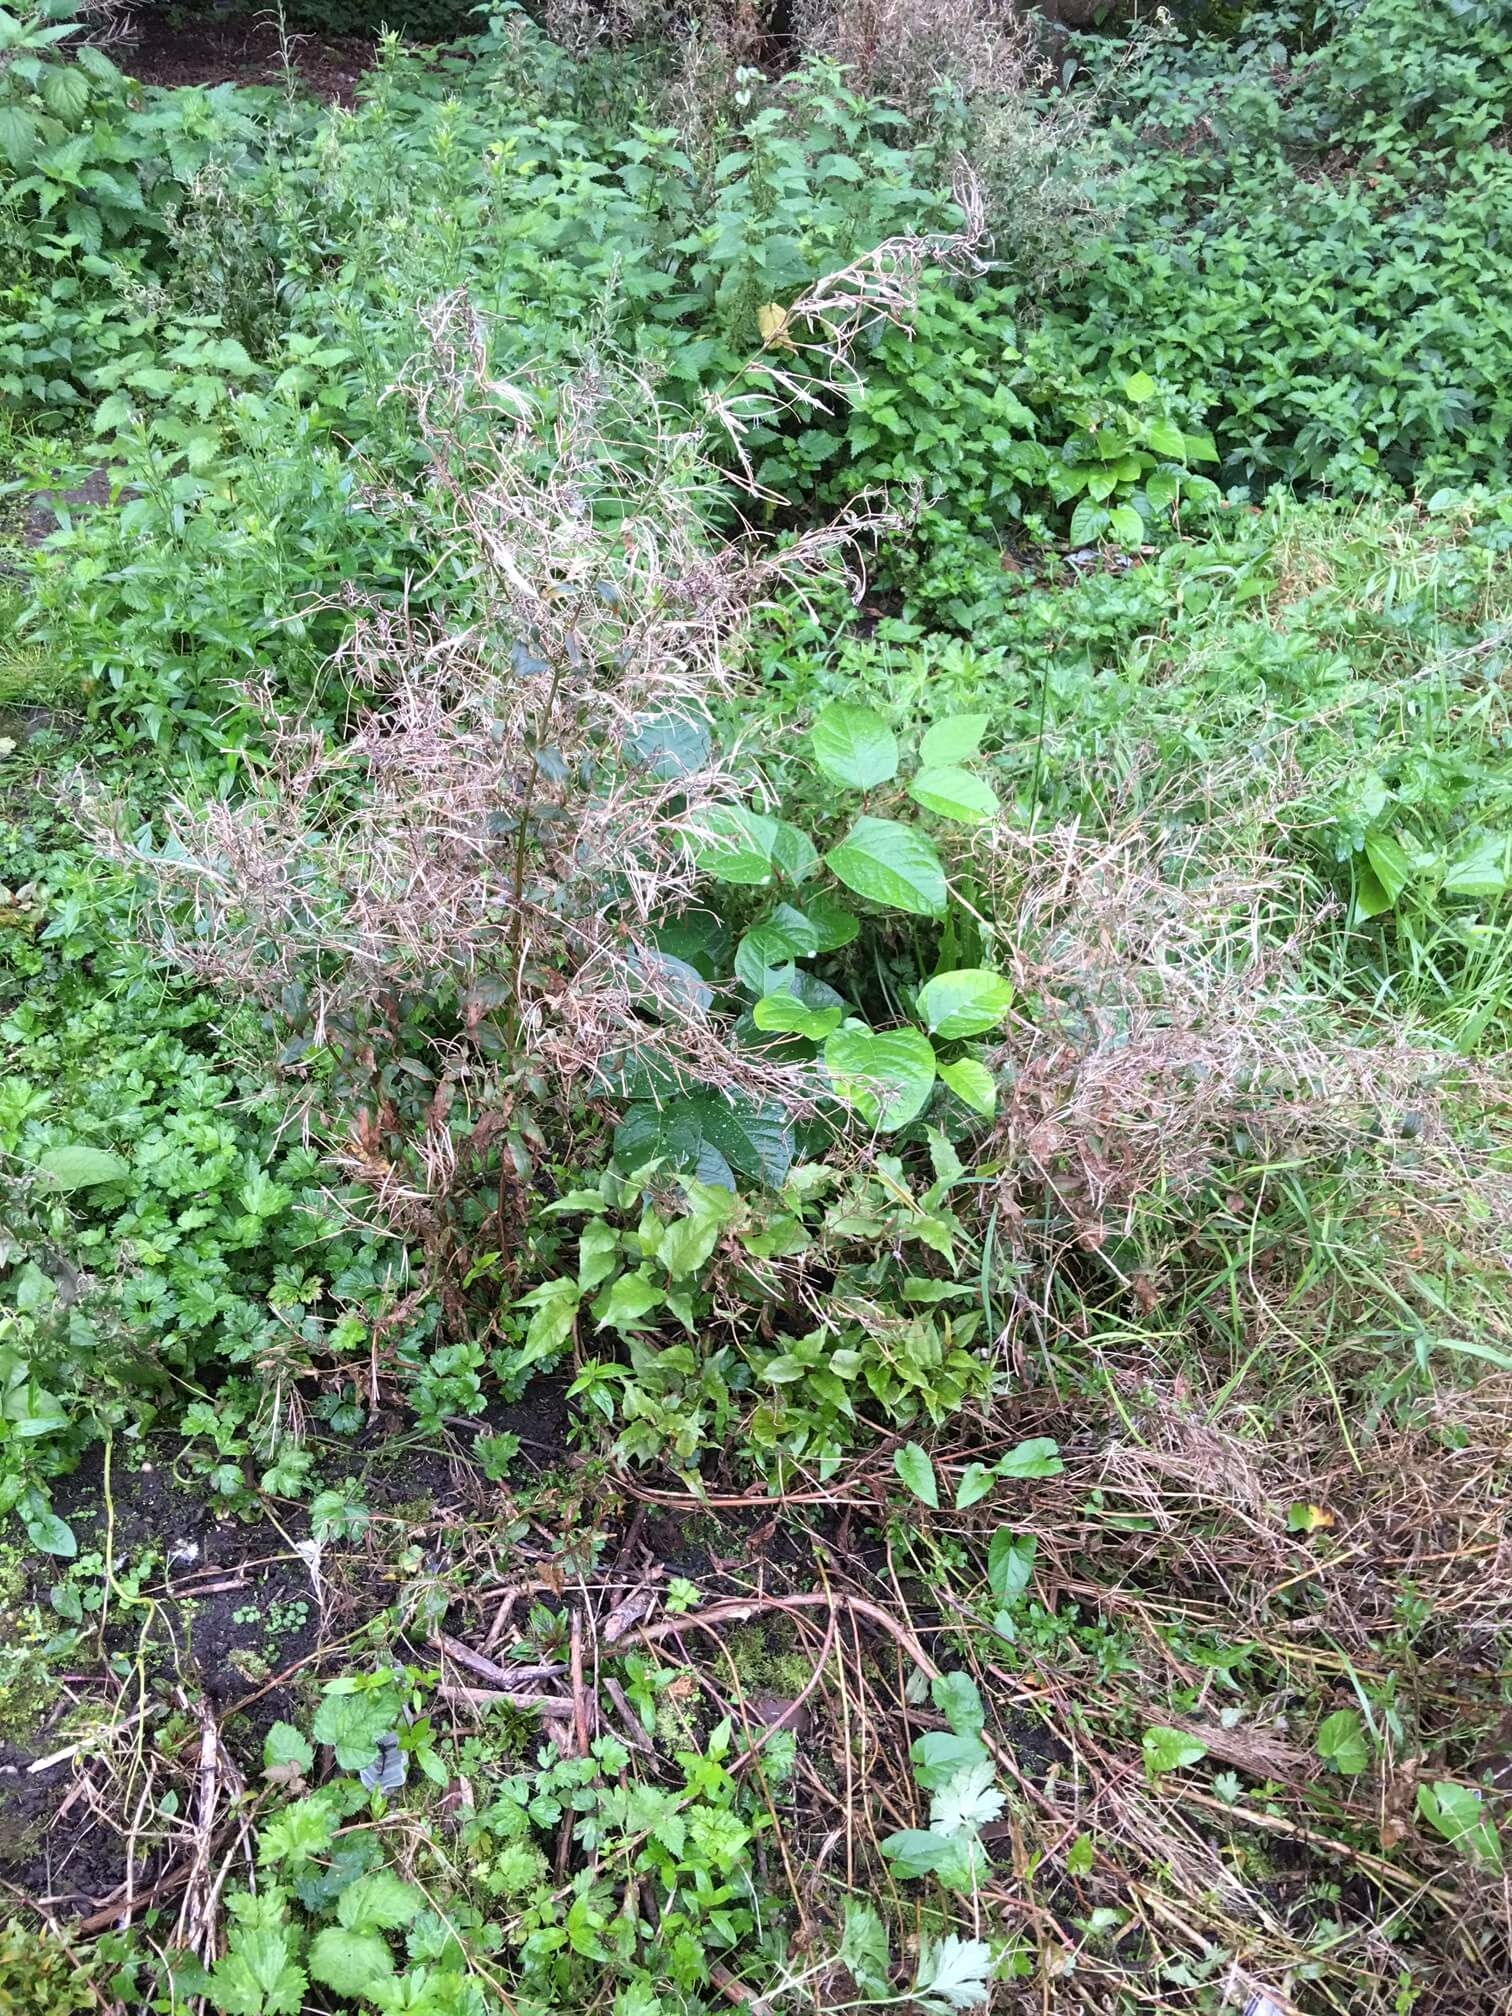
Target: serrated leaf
1168,1749
964,1003
1039,1457
917,1472
352,1723
66,91
863,1947
885,1074
954,740
351,1963
968,1803
258,1976
954,1973
953,793
78,1167
891,864
284,1748
854,746
378,1902
972,1083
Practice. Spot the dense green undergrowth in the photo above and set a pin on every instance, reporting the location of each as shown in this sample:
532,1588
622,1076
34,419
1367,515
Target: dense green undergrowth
978,1015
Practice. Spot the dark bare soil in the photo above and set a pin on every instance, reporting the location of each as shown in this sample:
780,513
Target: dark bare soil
245,49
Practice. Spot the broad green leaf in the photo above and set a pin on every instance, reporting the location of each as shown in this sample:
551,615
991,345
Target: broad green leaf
964,1003
793,853
917,1472
1481,868
885,1074
78,1167
832,923
45,1530
918,1851
599,1256
351,1963
1166,438
1125,523
785,1012
854,746
1088,523
1162,489
708,1137
939,1755
957,1698
556,1306
772,945
972,1083
734,844
1457,1812
1389,861
627,1302
956,794
956,739
1170,1749
1341,1742
1139,388
976,1481
891,864
1037,1458
687,1243
1010,1563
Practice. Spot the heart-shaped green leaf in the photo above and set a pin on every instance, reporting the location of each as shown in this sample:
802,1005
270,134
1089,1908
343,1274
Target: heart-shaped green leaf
955,794
886,1075
972,1084
891,864
854,746
956,739
964,1003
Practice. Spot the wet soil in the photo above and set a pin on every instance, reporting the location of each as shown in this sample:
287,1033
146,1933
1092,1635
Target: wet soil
245,49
